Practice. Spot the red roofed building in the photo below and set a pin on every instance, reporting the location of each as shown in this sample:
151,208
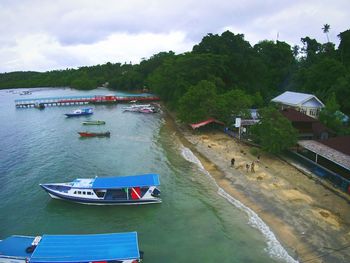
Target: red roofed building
308,127
206,122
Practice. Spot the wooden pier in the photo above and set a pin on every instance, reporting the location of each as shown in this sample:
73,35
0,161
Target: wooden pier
81,100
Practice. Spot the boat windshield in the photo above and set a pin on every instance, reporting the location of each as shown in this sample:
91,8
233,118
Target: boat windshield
83,183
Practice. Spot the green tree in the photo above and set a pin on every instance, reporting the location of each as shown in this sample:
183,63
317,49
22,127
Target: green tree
172,79
311,48
278,59
274,132
320,77
198,103
232,103
342,91
344,47
329,116
325,29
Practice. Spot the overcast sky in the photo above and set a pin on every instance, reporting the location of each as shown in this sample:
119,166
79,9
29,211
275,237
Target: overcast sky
44,35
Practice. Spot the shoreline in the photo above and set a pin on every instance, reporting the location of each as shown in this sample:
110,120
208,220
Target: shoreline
305,225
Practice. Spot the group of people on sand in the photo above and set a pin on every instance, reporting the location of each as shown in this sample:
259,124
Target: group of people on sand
248,166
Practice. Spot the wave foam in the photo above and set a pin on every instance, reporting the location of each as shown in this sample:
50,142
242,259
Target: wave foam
274,247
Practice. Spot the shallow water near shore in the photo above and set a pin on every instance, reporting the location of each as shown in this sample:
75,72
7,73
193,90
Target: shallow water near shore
193,223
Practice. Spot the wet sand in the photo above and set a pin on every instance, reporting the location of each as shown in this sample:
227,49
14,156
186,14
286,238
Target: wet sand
309,220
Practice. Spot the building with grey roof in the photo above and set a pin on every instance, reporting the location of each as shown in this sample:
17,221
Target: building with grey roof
305,103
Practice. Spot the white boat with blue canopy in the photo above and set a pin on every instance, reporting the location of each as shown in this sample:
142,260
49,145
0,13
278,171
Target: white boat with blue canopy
80,112
107,248
118,190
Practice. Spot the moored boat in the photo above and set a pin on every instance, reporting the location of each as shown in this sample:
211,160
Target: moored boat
39,106
142,108
80,112
95,134
94,122
114,247
119,190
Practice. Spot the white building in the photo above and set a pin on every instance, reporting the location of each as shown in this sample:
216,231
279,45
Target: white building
305,103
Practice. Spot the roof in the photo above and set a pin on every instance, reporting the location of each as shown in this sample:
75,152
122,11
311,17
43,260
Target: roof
206,122
295,98
316,127
327,152
296,116
16,246
126,181
86,248
341,144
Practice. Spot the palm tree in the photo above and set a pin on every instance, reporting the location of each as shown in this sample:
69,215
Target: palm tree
325,29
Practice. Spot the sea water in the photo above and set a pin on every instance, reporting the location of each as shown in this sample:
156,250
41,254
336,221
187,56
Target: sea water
196,222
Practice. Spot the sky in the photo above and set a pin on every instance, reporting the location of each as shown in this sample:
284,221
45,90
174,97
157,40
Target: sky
44,35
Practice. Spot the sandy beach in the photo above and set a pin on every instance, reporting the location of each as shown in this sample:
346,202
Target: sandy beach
310,221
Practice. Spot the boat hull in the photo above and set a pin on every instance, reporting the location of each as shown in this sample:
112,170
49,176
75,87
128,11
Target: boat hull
92,134
77,114
94,123
86,201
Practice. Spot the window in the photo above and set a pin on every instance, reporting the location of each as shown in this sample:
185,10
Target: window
100,194
313,112
75,192
84,193
79,192
89,193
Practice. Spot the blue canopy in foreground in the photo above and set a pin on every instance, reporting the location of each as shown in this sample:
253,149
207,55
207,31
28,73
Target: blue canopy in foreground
86,248
126,181
15,246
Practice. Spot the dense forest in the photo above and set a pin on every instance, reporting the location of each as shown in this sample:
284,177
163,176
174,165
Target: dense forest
222,74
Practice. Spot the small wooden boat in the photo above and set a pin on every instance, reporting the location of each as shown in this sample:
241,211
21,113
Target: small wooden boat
118,190
80,112
94,122
114,247
95,134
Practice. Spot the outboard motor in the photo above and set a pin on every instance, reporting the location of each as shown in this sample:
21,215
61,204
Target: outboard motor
30,249
156,192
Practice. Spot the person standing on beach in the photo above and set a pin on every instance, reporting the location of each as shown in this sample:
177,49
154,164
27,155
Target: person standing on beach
232,162
252,167
247,167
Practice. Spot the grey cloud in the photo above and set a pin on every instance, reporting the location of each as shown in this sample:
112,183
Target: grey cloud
89,22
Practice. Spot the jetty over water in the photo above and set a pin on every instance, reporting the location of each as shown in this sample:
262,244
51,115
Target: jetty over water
81,100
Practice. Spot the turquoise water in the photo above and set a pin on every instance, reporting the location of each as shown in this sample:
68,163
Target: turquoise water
193,223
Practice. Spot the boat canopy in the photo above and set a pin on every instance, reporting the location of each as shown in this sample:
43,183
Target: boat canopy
15,246
86,248
126,181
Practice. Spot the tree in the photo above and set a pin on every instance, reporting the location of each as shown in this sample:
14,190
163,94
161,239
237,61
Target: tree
198,103
325,29
342,92
311,48
232,103
344,47
295,51
329,116
274,132
278,59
